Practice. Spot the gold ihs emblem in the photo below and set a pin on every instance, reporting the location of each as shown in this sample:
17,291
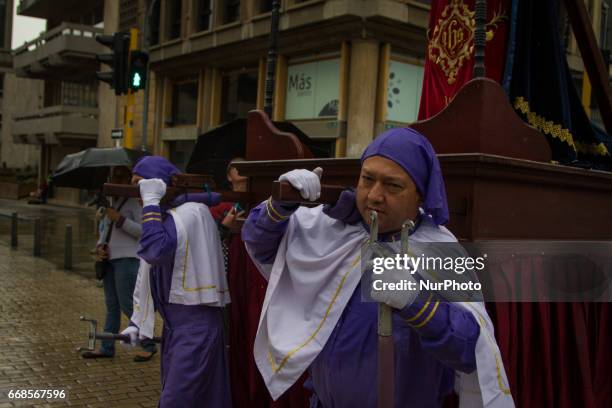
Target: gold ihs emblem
452,41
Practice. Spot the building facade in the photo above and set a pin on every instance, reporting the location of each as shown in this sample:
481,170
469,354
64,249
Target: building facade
346,68
54,87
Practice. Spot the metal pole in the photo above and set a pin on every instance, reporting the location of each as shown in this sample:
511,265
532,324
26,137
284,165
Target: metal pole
68,248
386,352
480,38
145,103
14,225
37,238
271,63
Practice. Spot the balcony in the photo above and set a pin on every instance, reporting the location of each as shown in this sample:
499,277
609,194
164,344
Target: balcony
59,125
67,52
53,9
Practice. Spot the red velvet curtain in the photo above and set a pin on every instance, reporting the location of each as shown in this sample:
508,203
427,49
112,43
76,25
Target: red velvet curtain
555,354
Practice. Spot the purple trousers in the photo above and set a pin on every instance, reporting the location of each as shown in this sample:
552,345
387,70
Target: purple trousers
193,362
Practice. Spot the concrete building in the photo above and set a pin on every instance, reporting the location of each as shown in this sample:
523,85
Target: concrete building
346,68
55,93
12,155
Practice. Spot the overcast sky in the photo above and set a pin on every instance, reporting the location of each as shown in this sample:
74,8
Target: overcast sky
25,28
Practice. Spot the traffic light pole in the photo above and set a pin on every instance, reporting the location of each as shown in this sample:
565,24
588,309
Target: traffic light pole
128,123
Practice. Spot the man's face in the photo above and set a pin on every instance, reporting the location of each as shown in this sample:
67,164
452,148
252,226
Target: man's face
386,188
237,181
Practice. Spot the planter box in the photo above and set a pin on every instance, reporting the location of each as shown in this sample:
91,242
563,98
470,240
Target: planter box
16,191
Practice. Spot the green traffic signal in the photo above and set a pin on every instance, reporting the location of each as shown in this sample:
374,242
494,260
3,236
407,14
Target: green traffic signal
138,70
136,80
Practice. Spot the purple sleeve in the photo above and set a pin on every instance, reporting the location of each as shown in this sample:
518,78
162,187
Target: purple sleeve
447,330
264,229
158,239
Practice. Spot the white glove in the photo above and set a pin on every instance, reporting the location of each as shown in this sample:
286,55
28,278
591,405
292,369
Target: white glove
151,191
306,181
133,332
398,298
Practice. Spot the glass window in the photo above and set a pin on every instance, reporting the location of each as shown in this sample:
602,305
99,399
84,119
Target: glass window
403,91
231,11
313,89
79,94
71,93
203,15
184,103
154,24
239,95
265,6
174,19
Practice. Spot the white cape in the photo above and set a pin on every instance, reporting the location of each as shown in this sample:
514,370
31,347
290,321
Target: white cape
198,275
309,285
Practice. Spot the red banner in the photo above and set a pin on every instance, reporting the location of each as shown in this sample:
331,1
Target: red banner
450,49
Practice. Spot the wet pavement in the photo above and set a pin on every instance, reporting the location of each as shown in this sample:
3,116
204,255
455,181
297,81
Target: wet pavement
40,330
54,219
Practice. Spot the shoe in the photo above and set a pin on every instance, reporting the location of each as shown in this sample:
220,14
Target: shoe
144,356
95,354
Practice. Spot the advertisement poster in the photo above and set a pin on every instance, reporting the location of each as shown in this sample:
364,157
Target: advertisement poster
312,90
403,91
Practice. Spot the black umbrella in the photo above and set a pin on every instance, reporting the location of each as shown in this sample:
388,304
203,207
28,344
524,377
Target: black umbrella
89,169
215,148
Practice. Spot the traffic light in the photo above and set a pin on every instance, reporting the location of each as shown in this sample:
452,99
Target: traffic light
137,77
119,43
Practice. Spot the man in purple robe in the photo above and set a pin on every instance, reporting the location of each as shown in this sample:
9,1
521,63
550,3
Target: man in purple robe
193,362
311,258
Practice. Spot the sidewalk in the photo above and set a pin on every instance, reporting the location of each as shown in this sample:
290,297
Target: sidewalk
40,331
53,222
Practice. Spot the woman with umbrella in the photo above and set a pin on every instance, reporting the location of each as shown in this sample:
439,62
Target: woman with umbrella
117,262
116,249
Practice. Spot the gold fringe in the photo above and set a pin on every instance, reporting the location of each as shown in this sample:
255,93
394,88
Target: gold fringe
555,130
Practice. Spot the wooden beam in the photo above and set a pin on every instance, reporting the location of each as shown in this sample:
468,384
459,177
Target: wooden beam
592,57
280,191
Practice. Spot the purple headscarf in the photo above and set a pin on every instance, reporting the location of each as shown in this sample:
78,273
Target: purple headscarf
155,167
413,152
